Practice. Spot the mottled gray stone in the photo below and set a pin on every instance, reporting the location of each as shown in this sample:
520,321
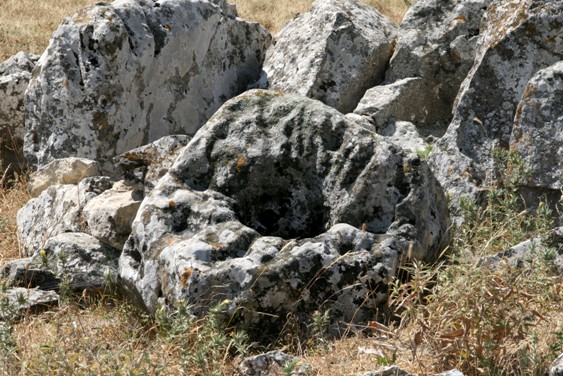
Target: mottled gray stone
80,258
404,134
436,44
147,164
281,204
272,363
517,40
22,300
537,135
57,209
333,53
556,368
120,75
15,74
109,215
62,171
388,371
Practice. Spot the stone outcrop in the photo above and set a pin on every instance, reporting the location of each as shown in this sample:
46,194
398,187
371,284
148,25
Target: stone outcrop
517,40
272,363
15,74
556,368
537,135
119,75
58,209
22,300
333,53
62,171
109,215
281,204
437,45
144,166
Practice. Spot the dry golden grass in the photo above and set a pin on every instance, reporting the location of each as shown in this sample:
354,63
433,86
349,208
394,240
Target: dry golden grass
11,200
275,14
28,24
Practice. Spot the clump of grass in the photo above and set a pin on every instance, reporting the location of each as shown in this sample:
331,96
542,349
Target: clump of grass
486,320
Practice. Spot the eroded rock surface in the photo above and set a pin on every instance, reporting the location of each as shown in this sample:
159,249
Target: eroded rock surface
334,53
518,39
120,75
15,74
281,204
62,171
437,44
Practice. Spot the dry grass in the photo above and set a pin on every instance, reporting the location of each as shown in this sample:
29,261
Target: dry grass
12,198
27,24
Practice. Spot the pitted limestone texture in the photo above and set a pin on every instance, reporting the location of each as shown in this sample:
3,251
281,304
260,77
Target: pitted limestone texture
282,204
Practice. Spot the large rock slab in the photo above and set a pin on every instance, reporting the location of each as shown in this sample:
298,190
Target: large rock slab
518,39
281,204
15,74
120,75
334,53
436,43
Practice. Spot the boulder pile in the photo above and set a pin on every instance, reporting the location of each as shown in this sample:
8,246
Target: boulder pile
180,154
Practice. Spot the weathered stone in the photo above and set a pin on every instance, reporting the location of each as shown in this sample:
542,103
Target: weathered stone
62,171
56,210
404,134
537,135
436,44
147,164
272,363
334,53
109,216
388,371
120,75
21,300
517,40
404,100
80,258
15,74
556,368
281,204
29,273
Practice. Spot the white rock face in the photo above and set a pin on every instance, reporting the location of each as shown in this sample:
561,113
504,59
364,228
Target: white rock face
56,210
537,135
15,74
120,75
109,216
334,53
282,204
437,43
518,38
62,171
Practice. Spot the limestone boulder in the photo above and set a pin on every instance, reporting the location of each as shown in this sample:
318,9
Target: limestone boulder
556,368
517,40
109,215
145,165
119,75
280,204
436,43
272,363
333,53
80,258
15,74
58,209
62,171
537,134
20,300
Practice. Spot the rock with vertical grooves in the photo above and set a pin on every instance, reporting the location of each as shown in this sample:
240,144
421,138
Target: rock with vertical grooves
281,205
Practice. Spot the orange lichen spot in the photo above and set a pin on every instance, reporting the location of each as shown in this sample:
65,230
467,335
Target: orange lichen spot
170,241
65,82
240,162
458,20
549,40
167,27
171,204
364,227
185,276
